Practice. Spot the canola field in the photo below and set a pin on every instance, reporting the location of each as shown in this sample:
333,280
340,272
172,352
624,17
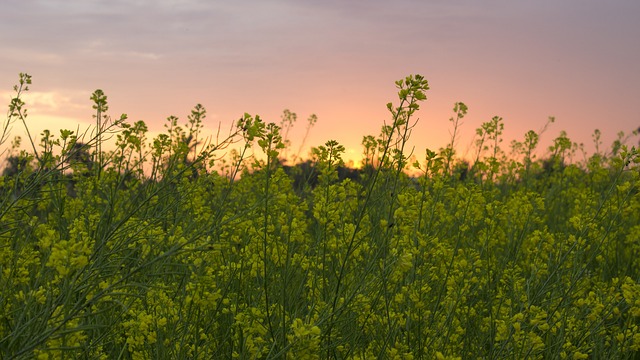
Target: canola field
162,249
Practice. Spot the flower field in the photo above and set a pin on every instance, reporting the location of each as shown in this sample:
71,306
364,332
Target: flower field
164,249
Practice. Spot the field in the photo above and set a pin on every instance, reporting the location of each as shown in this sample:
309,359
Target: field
147,252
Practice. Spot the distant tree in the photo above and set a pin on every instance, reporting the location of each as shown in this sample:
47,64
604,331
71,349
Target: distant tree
461,170
79,154
303,174
15,164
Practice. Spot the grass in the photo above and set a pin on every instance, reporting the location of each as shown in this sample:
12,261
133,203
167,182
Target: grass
146,252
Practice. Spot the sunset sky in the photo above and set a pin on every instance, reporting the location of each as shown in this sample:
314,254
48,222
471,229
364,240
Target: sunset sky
577,60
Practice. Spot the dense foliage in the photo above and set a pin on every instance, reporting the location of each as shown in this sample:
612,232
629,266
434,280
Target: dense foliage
146,252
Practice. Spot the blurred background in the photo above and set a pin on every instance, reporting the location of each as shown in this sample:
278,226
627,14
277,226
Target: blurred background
577,60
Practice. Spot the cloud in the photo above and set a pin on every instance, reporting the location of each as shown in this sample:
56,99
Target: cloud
50,102
46,110
53,101
107,51
27,55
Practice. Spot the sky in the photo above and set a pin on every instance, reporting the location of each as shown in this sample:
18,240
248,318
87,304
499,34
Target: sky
576,60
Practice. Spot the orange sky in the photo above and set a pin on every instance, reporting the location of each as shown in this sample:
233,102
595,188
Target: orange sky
576,60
